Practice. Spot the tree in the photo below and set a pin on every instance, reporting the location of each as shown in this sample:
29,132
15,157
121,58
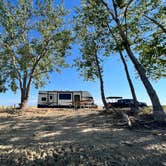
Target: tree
95,45
125,17
157,108
103,39
89,64
33,43
119,49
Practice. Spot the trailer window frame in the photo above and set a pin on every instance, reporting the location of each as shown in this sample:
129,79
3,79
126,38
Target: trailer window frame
65,96
43,99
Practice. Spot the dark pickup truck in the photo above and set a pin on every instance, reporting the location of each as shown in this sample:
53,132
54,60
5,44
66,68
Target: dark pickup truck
125,103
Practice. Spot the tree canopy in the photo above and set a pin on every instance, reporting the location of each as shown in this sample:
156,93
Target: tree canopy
126,20
33,42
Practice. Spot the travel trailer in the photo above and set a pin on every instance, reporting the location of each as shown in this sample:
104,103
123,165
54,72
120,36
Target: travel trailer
65,99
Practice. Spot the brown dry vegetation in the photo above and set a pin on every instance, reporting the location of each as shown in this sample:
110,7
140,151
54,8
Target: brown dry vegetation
77,137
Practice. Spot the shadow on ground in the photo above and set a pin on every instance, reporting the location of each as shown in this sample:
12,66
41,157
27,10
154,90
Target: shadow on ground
78,138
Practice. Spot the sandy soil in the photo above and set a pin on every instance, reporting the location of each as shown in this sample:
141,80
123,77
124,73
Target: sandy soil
76,138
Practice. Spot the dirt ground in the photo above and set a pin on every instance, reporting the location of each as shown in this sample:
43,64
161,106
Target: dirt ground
52,137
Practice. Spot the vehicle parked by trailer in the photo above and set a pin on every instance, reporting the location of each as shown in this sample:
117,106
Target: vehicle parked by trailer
121,103
65,99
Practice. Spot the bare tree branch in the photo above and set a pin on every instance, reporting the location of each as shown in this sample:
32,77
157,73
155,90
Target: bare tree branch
115,8
157,23
109,9
125,14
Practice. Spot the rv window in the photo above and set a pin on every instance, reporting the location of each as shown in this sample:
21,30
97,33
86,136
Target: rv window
65,96
43,99
50,97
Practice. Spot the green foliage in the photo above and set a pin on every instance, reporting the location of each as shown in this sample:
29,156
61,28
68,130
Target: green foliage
151,41
152,56
33,42
87,62
151,44
93,39
92,29
142,33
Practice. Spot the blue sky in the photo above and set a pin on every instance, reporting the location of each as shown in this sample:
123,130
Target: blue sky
114,80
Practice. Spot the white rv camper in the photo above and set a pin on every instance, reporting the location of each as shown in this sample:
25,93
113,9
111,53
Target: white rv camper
65,99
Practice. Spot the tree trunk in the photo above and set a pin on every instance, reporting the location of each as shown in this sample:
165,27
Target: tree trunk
101,84
25,94
136,107
158,111
24,98
24,103
102,93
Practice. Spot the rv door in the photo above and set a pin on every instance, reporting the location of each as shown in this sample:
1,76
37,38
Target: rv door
77,101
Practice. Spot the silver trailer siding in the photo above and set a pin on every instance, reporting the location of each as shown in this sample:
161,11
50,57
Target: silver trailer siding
65,99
